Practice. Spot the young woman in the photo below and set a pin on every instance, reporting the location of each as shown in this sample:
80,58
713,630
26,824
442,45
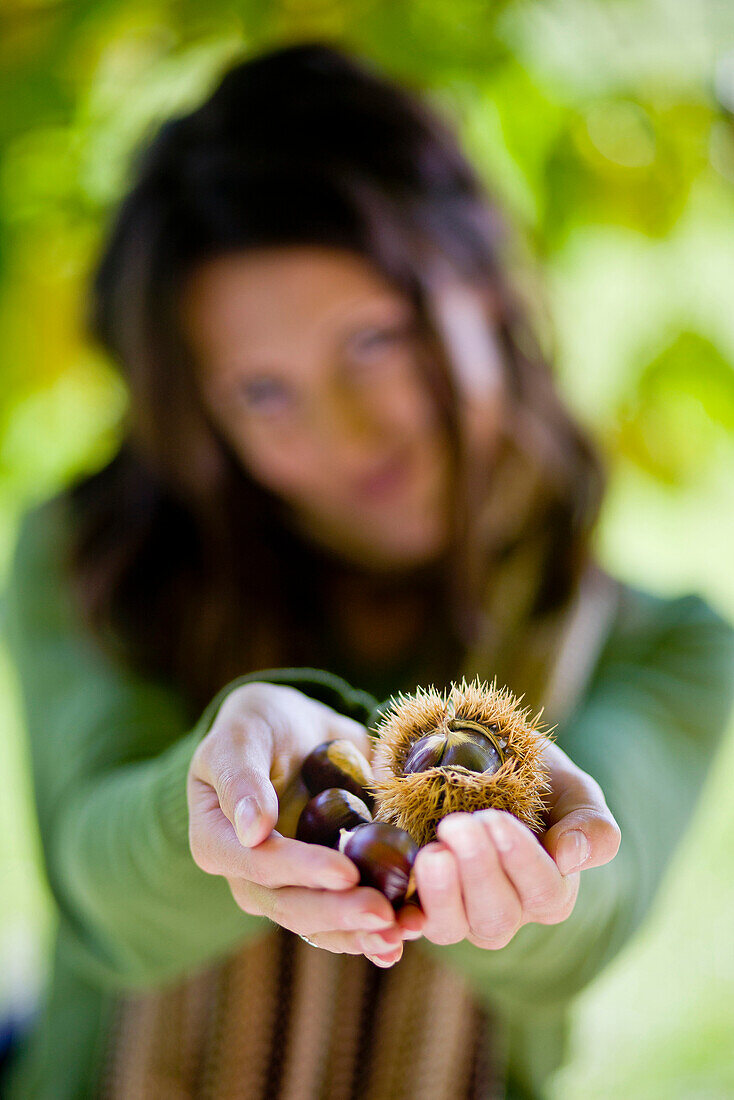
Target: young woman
345,472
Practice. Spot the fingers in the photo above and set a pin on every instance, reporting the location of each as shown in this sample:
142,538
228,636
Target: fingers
493,909
358,922
305,910
437,880
382,949
296,723
278,861
502,878
236,764
585,838
255,747
411,919
583,830
545,895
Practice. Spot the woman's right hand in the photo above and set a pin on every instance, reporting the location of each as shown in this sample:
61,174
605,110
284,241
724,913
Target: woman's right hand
252,753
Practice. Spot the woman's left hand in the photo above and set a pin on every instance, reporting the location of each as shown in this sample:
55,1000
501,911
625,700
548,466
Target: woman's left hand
487,875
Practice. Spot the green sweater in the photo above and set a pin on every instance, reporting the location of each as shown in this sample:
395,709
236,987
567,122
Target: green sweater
110,752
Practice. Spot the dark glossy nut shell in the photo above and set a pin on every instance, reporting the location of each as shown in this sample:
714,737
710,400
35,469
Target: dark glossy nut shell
471,751
384,855
464,748
338,764
425,753
330,811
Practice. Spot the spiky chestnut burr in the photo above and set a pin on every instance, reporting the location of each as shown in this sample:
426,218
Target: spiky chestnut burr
414,788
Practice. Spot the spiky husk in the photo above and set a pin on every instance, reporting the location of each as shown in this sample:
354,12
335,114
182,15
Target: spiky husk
417,802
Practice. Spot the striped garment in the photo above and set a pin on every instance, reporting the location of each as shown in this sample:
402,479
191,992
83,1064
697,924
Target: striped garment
282,1020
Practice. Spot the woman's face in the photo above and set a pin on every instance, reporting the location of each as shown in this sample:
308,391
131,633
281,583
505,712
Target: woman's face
307,361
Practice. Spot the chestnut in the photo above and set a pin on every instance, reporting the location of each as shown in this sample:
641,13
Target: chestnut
338,764
324,816
464,744
384,855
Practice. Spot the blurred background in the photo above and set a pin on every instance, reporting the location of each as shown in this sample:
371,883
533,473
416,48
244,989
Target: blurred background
606,127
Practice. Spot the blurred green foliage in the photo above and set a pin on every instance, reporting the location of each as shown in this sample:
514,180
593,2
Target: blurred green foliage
605,127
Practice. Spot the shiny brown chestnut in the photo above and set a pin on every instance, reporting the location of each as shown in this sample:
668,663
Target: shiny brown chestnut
384,855
465,744
340,764
330,811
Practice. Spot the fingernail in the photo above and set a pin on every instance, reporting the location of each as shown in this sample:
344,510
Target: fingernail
408,935
246,819
335,880
359,921
384,963
500,831
410,922
376,945
572,851
438,865
371,920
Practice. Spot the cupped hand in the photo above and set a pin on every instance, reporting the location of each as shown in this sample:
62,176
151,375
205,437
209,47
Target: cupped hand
487,874
249,758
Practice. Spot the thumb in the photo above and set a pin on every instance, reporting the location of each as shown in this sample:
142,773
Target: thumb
586,837
254,817
248,798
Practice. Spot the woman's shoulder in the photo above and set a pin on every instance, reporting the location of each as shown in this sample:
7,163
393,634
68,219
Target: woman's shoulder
677,648
49,640
644,619
43,529
39,551
47,528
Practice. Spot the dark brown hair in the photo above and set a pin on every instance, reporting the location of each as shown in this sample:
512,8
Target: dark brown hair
183,563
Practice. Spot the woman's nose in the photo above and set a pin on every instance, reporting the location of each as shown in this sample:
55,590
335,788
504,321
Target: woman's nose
349,431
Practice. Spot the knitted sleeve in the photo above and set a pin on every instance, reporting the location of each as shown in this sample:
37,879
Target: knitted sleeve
110,753
647,731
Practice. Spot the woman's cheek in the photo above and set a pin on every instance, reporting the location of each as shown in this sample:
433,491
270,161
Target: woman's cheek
272,459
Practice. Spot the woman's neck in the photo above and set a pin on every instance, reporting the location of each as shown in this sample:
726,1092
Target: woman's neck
379,618
379,630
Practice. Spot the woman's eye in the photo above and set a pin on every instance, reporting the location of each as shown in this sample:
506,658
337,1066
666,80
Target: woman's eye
371,342
373,338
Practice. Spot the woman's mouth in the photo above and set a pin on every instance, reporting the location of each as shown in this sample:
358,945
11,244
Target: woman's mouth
385,481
